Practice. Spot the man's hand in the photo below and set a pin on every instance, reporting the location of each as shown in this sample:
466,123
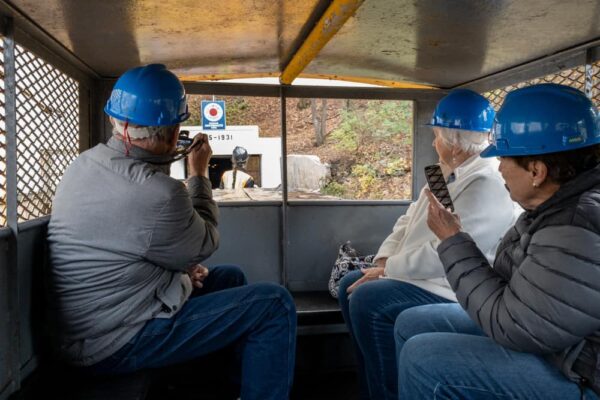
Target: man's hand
369,274
199,157
197,274
442,222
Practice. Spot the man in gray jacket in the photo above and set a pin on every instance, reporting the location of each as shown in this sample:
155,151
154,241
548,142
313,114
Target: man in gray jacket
126,241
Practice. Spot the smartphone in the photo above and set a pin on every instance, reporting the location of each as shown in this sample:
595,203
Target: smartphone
437,185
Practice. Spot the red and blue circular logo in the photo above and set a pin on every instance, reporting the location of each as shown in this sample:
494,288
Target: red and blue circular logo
213,112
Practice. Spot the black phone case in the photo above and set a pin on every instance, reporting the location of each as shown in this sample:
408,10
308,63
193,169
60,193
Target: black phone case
184,140
437,185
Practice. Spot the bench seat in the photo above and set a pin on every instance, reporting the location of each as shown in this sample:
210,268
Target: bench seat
318,313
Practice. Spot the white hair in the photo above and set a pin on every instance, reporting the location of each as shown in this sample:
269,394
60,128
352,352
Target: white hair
142,132
471,142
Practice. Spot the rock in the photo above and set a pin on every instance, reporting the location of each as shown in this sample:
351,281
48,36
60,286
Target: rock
306,173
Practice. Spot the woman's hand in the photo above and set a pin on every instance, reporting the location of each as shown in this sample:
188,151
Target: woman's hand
369,274
442,222
381,262
197,274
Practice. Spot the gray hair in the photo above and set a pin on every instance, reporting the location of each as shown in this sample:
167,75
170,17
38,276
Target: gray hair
141,132
471,142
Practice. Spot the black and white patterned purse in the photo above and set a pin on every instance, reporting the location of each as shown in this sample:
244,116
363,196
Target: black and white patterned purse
348,260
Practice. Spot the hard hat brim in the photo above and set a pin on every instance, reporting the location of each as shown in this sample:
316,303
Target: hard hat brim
490,151
146,122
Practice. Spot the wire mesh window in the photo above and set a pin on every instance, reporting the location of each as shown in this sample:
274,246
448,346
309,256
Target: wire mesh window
47,131
574,77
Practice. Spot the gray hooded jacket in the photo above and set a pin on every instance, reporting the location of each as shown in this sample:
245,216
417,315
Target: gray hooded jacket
543,294
121,234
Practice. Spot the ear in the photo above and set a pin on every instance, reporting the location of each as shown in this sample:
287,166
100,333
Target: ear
538,171
175,136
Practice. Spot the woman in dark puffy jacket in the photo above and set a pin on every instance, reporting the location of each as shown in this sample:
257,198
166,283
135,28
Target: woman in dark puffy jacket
532,323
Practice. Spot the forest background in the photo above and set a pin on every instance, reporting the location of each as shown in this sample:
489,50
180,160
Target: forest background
367,143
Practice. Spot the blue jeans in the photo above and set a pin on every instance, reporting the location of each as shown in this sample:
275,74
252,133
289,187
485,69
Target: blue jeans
258,319
444,355
370,312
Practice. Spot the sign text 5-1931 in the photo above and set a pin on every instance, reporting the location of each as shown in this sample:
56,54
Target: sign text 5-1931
221,137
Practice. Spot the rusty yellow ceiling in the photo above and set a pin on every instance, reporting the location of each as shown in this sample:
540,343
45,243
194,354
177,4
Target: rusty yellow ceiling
401,43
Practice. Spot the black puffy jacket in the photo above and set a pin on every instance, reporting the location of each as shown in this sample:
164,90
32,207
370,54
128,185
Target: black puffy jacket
543,294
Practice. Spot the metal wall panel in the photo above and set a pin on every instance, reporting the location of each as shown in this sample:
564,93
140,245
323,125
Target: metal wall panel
316,232
5,328
101,123
250,238
32,258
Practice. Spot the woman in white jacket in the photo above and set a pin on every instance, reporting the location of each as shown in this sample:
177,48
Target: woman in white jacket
408,256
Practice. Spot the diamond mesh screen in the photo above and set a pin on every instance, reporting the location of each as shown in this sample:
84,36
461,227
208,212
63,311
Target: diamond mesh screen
574,77
47,131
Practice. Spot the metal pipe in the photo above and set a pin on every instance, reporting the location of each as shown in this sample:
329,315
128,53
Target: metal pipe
370,81
10,106
284,186
329,24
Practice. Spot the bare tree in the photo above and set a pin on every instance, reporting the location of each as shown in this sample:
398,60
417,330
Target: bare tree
303,104
319,119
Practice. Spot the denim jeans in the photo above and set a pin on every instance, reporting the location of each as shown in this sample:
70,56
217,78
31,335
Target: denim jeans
444,355
258,319
370,312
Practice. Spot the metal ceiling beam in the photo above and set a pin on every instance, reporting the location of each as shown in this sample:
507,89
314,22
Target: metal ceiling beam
331,92
357,79
220,77
370,81
329,24
546,65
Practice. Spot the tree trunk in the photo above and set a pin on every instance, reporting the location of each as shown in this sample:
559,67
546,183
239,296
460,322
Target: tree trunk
323,126
303,104
319,120
315,118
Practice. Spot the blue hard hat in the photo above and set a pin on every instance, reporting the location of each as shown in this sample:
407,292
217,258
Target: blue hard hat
464,109
541,119
150,95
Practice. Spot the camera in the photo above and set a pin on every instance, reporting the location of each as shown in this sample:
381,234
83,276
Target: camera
184,141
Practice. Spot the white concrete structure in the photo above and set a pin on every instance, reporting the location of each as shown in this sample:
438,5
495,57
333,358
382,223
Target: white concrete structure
224,141
306,173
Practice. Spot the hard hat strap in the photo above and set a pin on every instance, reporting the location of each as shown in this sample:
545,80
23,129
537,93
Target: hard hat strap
178,156
126,138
